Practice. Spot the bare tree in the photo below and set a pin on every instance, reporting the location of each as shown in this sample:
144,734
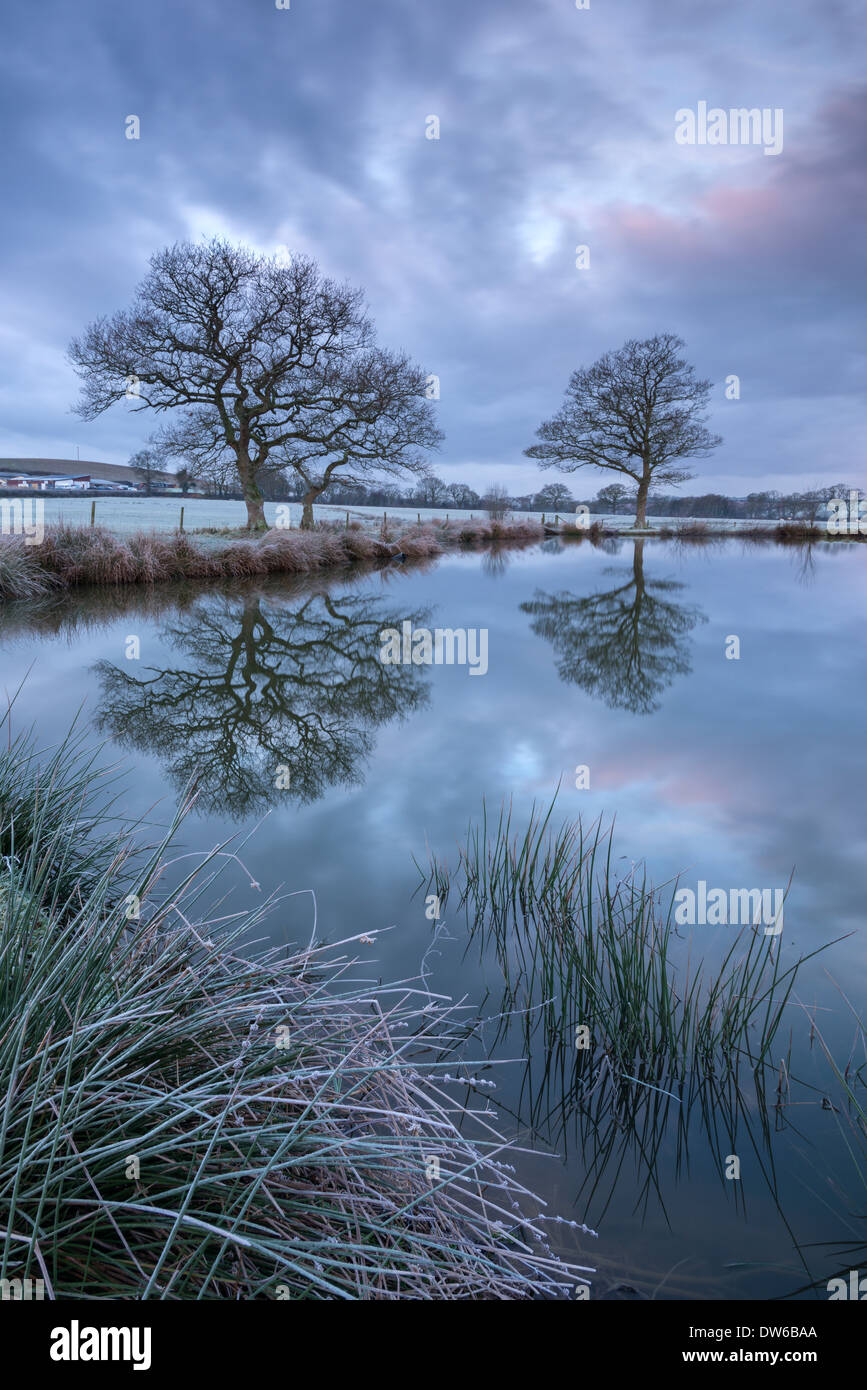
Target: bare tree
146,464
553,497
255,353
636,411
430,492
805,506
213,467
612,495
372,418
463,496
376,420
496,502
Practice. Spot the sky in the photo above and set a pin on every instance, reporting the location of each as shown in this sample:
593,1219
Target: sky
309,128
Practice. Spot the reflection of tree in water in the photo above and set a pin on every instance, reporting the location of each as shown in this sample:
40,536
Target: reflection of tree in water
552,546
263,685
495,561
625,645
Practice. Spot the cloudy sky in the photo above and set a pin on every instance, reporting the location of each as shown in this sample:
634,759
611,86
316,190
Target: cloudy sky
307,128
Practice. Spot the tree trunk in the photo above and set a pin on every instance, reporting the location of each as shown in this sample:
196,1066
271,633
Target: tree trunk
252,496
641,502
310,497
255,511
638,568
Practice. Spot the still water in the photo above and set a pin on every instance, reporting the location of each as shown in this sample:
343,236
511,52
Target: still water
736,771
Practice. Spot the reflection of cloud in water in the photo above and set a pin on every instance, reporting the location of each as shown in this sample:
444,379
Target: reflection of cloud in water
523,763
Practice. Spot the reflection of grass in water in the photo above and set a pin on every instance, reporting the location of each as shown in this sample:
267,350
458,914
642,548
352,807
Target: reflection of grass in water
599,950
845,1099
675,1048
75,613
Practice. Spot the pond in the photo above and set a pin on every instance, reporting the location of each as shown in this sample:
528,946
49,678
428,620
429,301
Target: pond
611,671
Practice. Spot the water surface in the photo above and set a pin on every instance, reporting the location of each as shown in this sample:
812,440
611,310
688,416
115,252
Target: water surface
735,772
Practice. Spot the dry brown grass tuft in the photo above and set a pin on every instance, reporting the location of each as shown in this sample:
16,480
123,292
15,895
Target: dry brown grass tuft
421,545
73,556
21,574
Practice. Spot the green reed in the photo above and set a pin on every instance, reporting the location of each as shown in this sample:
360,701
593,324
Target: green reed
601,949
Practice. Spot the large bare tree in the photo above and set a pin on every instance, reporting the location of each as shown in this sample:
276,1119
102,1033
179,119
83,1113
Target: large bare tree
249,355
637,412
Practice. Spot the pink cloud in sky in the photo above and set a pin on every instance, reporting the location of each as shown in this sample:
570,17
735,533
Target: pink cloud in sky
795,215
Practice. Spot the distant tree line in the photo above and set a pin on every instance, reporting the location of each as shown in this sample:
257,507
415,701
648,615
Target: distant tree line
614,499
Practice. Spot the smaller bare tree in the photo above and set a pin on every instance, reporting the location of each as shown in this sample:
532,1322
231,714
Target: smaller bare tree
637,412
146,464
496,502
553,497
430,491
463,496
611,496
377,421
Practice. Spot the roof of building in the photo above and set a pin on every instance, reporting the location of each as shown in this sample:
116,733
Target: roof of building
66,468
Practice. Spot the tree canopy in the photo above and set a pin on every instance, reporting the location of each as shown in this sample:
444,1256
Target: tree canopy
637,411
256,359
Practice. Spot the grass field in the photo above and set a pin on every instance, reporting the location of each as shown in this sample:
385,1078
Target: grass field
124,515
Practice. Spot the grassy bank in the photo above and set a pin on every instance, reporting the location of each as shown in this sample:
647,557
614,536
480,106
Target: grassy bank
189,1116
71,556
